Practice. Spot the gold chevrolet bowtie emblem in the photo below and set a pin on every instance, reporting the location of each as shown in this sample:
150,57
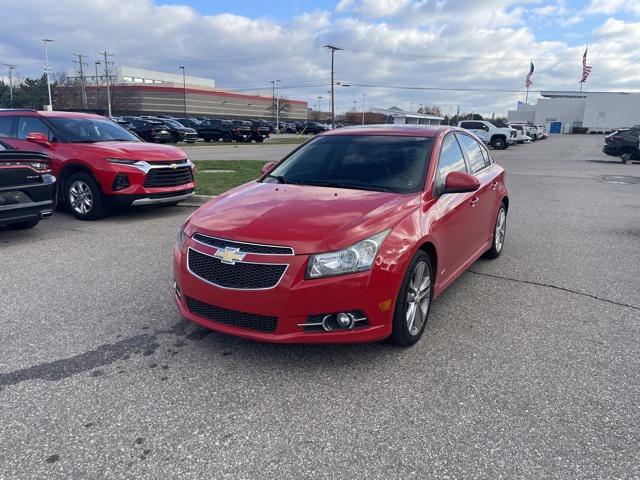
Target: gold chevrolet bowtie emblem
230,255
173,166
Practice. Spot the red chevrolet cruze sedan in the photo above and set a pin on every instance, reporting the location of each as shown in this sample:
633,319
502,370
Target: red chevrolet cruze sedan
347,239
98,163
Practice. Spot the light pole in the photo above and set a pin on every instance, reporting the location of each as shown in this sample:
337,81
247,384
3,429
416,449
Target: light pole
45,41
11,69
184,90
333,49
363,97
319,106
277,106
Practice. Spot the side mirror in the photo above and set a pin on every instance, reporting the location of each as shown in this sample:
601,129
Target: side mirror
459,182
39,138
266,168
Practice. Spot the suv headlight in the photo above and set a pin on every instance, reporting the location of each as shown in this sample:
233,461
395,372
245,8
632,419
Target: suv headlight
356,258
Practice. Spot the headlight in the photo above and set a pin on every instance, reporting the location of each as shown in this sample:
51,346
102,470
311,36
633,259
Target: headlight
122,161
356,258
182,237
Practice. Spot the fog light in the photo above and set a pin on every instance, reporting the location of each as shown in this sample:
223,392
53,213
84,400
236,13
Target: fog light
121,181
344,320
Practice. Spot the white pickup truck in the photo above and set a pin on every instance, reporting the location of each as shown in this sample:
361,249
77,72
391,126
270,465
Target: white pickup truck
498,137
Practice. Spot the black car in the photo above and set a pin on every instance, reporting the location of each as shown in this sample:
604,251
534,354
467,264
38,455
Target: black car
242,131
259,131
314,128
150,130
124,123
178,132
189,122
623,143
215,130
27,188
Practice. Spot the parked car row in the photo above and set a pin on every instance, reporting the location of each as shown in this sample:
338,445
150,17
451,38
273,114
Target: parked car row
87,163
502,136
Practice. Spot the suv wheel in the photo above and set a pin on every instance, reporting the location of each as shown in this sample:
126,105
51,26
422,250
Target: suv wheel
227,138
498,144
84,197
414,302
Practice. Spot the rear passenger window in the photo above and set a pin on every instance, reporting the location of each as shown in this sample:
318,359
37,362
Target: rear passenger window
27,125
474,152
451,158
6,126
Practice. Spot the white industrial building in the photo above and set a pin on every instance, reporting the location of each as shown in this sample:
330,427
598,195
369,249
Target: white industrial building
561,112
398,116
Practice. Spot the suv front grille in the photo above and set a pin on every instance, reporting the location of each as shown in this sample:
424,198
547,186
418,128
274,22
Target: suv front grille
168,177
245,247
234,318
240,276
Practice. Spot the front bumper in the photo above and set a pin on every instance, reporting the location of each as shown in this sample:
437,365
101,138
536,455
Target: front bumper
293,300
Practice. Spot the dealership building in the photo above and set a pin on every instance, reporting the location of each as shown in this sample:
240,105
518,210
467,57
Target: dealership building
136,91
564,111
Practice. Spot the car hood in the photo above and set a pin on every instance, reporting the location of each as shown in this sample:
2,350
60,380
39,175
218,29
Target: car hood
149,152
308,219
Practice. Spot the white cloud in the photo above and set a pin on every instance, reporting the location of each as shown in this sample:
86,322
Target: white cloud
611,7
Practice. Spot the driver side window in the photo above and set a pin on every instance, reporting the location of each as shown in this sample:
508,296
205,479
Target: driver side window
27,125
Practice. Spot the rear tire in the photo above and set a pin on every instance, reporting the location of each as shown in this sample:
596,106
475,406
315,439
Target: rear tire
414,302
83,197
227,138
499,233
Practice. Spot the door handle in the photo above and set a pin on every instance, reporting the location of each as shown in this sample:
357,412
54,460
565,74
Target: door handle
494,185
474,201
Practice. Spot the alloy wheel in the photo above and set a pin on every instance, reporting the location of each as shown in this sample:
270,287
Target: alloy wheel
80,197
418,298
501,228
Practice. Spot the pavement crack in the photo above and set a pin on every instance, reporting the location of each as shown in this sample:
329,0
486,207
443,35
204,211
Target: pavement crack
556,287
67,367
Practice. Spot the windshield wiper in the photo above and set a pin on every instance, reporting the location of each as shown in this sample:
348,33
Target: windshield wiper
279,178
353,186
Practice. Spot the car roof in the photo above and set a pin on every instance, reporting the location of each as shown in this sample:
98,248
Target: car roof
53,114
389,129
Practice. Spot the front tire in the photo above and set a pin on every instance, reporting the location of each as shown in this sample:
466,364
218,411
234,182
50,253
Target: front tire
84,197
499,233
414,302
499,144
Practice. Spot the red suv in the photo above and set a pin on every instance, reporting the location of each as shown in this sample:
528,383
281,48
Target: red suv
98,163
348,239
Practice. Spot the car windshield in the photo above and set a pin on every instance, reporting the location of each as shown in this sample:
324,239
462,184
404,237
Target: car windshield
172,123
380,163
91,130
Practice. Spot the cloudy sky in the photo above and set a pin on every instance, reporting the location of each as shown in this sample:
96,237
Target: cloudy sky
449,52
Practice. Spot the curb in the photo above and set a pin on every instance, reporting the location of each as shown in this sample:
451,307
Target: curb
196,200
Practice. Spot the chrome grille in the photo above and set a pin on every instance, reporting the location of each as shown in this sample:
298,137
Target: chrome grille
245,247
239,276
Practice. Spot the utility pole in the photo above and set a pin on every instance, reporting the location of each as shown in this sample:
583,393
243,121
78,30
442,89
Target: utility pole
363,97
11,69
45,41
277,106
106,56
333,49
273,97
96,63
184,90
82,84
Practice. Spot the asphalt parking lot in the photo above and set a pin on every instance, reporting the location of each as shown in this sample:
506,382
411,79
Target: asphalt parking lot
529,367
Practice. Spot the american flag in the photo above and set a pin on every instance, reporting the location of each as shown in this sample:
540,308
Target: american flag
586,69
527,81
